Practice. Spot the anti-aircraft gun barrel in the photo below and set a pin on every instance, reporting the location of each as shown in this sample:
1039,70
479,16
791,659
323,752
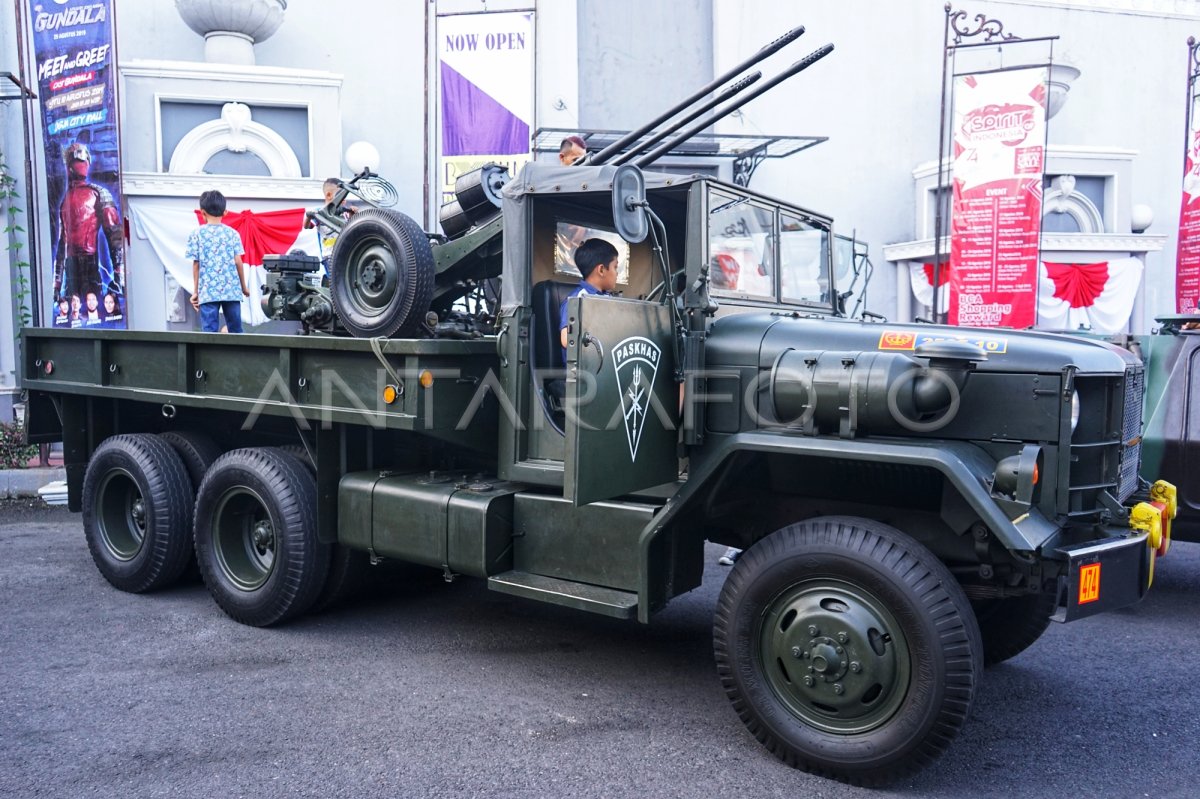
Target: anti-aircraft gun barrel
700,109
794,69
633,135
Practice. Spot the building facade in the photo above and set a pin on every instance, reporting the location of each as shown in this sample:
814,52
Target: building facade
196,116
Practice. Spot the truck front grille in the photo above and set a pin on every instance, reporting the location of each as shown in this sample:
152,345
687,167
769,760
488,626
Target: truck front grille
1131,431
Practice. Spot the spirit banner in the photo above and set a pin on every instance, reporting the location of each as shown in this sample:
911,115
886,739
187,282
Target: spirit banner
486,109
1187,257
996,217
76,71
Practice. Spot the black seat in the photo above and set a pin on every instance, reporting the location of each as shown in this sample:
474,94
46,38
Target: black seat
548,298
548,365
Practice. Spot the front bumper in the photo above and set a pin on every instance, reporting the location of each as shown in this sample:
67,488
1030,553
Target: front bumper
1102,576
1115,573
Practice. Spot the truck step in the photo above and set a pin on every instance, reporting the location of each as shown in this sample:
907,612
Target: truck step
581,596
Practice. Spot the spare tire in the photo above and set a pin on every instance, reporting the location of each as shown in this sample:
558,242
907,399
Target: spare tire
381,274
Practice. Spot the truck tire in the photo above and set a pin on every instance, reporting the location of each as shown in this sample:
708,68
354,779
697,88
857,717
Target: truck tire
137,502
256,536
847,649
1011,625
382,274
197,451
349,574
349,569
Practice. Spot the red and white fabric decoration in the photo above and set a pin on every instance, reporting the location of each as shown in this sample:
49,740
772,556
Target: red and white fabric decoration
921,277
165,226
1098,296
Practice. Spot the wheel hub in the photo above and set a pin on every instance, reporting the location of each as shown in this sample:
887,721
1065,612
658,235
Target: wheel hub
243,538
122,515
833,654
373,278
263,537
137,512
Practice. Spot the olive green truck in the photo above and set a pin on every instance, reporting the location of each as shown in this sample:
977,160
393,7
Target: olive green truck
914,501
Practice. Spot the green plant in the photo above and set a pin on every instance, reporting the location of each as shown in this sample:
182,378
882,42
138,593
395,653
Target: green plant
14,452
22,289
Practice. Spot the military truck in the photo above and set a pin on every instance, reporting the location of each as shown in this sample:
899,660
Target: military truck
1171,438
914,501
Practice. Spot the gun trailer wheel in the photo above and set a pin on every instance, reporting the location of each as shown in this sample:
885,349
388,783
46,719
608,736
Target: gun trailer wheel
847,649
137,501
256,536
382,274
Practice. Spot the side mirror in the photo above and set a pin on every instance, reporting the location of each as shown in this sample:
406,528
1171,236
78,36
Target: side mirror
629,204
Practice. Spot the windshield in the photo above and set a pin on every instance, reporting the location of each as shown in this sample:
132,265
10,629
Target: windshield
758,251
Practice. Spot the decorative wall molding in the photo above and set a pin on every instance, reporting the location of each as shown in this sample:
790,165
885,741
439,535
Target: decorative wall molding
196,70
1051,242
237,132
155,184
929,169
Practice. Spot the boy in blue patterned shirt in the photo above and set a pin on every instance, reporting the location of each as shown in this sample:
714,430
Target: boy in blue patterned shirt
218,277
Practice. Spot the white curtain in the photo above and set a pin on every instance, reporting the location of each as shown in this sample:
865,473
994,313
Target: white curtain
165,226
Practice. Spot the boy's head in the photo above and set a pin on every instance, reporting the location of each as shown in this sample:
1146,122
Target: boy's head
93,301
212,203
330,187
596,260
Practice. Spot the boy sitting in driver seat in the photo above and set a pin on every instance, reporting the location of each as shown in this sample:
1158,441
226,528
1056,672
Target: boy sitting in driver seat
596,260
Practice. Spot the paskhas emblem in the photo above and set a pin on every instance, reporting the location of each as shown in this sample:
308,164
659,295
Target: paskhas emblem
636,362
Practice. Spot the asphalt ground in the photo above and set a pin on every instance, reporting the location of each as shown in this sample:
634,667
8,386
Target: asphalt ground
431,689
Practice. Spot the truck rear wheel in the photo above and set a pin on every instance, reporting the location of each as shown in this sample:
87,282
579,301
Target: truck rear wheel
847,649
197,451
382,274
349,569
1011,625
137,501
256,536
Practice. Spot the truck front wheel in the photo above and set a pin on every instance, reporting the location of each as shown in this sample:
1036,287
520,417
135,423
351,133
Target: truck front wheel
1010,625
137,500
256,536
847,649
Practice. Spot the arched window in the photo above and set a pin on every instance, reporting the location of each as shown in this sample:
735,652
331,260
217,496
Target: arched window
235,132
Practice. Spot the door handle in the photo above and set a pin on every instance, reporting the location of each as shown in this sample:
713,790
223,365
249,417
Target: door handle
500,345
591,341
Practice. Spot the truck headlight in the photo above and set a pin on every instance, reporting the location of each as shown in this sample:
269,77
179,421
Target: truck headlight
1074,410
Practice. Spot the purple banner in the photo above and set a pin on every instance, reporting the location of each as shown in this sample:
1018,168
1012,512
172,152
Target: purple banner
76,75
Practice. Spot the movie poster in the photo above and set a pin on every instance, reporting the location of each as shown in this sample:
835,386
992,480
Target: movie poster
76,78
486,101
996,216
1187,256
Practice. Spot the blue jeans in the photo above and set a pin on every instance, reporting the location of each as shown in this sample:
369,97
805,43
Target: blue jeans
210,322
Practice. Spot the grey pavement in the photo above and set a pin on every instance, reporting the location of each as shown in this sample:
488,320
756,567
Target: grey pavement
15,483
446,690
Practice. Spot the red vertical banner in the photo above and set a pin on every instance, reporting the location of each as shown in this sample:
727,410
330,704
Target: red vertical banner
1187,256
996,217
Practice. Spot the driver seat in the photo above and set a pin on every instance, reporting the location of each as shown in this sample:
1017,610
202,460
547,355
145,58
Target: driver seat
549,379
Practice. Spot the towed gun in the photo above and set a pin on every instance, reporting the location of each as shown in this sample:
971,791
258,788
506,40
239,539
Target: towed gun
389,278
